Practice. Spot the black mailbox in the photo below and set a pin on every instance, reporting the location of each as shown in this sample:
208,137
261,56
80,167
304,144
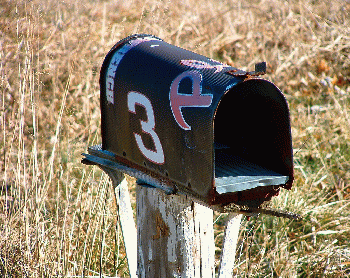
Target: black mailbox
189,124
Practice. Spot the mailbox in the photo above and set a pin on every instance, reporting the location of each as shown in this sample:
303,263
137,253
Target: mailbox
189,124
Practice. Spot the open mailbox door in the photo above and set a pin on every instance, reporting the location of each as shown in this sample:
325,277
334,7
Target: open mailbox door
188,124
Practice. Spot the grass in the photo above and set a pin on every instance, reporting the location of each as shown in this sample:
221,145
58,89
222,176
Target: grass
58,217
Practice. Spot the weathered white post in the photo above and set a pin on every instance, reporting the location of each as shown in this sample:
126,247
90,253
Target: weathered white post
228,252
125,217
175,236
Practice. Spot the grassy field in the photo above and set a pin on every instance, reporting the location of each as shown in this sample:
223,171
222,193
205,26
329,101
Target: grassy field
58,217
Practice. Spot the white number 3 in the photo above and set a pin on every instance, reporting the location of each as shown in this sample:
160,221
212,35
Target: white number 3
148,126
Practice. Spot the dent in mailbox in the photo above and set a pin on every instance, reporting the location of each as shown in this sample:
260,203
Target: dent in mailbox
193,124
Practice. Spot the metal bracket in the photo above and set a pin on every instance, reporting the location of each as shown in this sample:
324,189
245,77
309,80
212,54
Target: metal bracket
249,211
105,159
260,69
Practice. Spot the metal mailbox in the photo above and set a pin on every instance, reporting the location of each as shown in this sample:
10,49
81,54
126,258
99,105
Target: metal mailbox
188,124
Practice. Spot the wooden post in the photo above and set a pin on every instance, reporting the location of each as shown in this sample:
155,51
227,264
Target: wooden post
228,252
126,219
175,236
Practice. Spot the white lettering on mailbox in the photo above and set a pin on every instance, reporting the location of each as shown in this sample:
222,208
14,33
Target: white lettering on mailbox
117,57
196,99
112,68
148,126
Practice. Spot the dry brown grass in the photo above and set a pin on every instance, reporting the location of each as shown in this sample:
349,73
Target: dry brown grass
57,217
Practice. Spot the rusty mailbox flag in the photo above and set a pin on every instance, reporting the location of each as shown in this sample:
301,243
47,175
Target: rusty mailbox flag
191,125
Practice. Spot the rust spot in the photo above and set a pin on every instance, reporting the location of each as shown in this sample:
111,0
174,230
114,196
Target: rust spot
161,226
237,73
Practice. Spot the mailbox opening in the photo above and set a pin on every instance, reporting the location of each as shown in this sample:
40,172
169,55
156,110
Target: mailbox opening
252,138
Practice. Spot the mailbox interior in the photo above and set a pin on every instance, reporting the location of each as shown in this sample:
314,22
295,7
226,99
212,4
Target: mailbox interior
252,138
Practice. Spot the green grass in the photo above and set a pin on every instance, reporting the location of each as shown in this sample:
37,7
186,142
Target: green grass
58,217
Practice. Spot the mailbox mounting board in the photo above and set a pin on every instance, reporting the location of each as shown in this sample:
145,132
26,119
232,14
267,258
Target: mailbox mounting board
202,127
